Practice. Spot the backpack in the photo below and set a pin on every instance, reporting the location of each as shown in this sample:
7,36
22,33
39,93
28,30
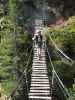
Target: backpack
39,38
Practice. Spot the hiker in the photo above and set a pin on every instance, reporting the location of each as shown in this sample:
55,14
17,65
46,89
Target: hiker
38,40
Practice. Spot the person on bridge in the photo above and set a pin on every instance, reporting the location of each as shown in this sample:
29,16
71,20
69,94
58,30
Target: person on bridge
39,41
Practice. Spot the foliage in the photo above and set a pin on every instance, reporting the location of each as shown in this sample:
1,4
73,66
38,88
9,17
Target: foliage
12,63
64,37
6,54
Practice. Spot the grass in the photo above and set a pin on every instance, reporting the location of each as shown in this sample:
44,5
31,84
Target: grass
7,79
7,86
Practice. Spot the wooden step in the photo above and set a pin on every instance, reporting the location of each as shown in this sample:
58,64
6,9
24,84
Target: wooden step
41,88
41,97
37,82
42,54
36,67
40,91
40,80
36,53
40,85
42,57
39,65
34,77
38,75
39,94
39,70
39,61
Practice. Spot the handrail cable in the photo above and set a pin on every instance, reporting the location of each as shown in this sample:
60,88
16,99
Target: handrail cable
62,59
56,47
19,81
55,73
61,84
32,48
26,72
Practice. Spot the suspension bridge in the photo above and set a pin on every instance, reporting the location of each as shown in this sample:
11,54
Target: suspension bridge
42,86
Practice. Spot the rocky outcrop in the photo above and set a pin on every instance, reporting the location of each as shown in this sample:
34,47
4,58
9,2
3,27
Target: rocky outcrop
65,8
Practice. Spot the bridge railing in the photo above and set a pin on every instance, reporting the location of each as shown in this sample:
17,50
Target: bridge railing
24,75
64,93
62,90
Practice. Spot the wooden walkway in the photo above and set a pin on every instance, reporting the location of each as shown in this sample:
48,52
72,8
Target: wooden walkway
40,88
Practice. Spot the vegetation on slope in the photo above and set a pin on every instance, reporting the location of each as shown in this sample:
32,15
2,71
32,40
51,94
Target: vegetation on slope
15,47
64,37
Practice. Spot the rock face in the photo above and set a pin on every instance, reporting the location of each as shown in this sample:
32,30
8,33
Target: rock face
65,8
4,6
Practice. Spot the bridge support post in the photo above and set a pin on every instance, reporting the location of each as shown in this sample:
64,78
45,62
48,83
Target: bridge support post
52,77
